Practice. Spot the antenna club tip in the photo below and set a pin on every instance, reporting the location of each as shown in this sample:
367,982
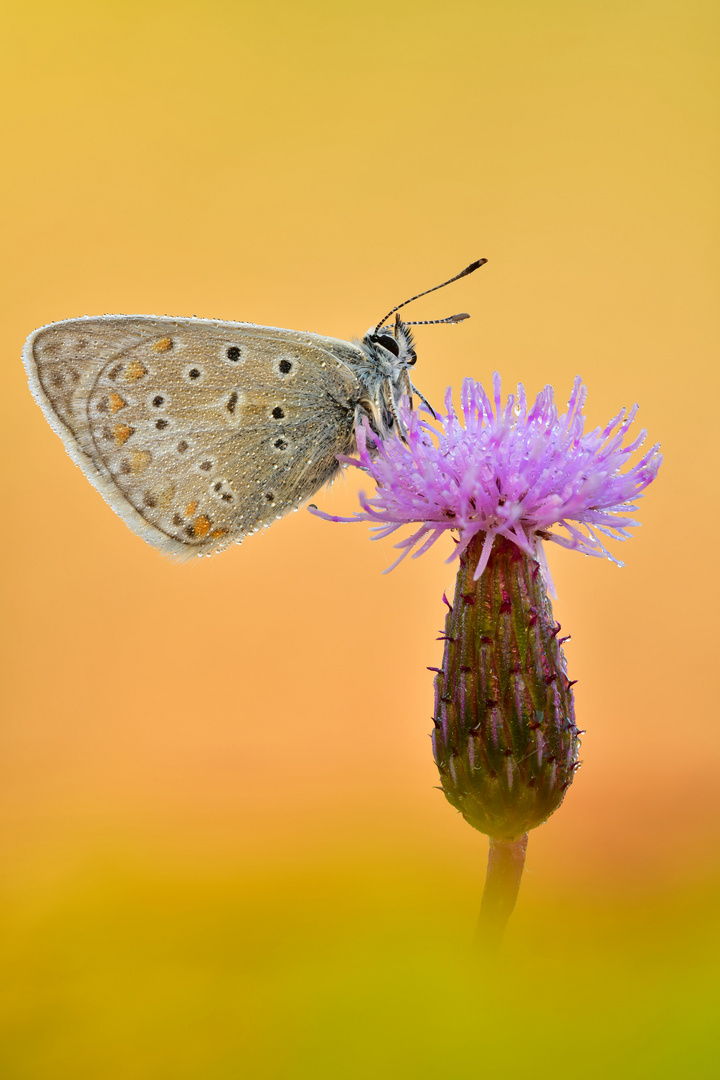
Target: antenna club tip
473,266
460,317
455,318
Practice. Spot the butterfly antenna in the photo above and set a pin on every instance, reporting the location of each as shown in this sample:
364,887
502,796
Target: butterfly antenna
431,322
463,273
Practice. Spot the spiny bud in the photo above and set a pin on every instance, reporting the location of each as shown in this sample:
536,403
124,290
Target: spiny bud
505,740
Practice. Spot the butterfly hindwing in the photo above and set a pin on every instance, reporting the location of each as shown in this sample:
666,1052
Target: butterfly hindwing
196,432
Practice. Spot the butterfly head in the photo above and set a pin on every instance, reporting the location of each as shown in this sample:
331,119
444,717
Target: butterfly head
389,352
391,347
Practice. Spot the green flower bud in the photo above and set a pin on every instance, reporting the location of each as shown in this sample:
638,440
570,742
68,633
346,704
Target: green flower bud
505,740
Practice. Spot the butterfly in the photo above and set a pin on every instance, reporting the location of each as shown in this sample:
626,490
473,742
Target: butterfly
199,432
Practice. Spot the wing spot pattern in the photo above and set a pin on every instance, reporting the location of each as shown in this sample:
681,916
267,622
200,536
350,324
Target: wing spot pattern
121,433
140,460
135,371
201,525
163,345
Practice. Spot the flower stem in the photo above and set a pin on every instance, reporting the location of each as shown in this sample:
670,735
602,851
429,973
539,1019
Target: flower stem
506,861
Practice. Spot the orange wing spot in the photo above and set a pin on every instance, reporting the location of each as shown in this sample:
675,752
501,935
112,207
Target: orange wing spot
163,345
116,402
191,508
140,460
201,525
166,496
135,371
217,533
122,433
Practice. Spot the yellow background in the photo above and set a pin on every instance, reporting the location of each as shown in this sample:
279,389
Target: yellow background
223,854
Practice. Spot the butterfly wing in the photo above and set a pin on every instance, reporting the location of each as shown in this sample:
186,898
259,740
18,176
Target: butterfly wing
196,432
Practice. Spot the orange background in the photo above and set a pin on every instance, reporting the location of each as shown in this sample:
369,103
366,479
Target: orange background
223,854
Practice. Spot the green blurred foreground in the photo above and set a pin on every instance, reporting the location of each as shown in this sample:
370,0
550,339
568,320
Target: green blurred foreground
349,972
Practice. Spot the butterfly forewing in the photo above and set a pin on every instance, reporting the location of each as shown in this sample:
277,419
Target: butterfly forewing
196,432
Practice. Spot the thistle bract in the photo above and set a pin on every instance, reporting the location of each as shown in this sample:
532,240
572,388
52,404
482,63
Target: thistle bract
505,740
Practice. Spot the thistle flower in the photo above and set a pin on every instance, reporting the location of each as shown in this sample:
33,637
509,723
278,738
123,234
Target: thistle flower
509,471
504,478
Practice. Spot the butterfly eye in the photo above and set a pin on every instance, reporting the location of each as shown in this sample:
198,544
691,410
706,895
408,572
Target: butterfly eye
388,343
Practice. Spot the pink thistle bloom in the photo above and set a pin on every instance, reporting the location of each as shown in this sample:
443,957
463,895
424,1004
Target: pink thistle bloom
504,470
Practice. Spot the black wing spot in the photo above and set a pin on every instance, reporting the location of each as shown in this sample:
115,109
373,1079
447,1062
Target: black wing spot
232,402
280,444
285,366
161,424
278,413
233,353
194,373
206,466
158,400
182,446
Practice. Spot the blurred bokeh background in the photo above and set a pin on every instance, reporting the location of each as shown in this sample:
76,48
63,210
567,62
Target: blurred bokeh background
223,854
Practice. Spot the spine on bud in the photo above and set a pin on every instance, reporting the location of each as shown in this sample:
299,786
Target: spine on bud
505,740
